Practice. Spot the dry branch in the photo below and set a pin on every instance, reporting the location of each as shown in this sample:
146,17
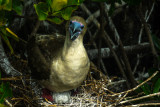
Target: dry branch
148,33
129,72
5,65
134,49
139,98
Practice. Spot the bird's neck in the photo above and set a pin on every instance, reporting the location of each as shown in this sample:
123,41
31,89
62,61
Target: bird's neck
72,44
71,47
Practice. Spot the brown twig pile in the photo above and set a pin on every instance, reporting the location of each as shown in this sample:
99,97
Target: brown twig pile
91,93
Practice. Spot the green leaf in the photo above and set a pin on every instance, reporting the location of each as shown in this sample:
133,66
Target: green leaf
156,41
4,37
7,5
6,91
2,87
57,13
66,13
58,4
49,2
55,20
151,71
0,2
2,105
41,10
4,2
11,34
146,89
74,2
156,86
80,1
17,6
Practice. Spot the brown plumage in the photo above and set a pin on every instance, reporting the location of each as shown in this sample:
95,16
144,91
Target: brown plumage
59,63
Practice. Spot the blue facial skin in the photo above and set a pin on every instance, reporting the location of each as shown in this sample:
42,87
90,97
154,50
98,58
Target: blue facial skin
75,28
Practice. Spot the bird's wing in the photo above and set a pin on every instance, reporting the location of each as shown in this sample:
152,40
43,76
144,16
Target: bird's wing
50,45
41,53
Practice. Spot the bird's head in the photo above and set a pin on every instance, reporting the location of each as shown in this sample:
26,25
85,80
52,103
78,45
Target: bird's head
77,27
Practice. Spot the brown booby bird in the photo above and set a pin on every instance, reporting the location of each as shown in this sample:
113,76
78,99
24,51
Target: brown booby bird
60,63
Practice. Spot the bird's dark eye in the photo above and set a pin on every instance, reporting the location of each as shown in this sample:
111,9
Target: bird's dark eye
82,26
70,22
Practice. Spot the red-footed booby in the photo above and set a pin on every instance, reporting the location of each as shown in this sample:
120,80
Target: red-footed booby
60,63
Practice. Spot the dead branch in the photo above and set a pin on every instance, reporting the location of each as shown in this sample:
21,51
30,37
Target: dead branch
108,41
140,35
140,98
145,104
131,90
125,58
148,33
102,20
5,64
106,52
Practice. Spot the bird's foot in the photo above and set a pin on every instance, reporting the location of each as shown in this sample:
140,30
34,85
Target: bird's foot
47,94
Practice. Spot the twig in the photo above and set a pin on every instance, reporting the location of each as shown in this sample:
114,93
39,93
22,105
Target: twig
117,102
145,104
95,46
20,88
128,66
10,79
147,18
117,59
84,8
136,86
34,30
116,83
95,21
98,26
126,61
92,17
139,98
8,103
106,52
5,64
148,33
101,32
140,34
108,41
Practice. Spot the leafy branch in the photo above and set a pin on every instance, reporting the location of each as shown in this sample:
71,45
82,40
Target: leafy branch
56,11
5,91
6,9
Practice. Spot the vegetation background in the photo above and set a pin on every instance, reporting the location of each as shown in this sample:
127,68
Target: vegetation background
122,41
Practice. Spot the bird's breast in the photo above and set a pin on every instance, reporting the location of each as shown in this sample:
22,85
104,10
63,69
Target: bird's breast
69,71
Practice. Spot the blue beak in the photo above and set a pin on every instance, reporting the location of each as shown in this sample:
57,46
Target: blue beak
75,28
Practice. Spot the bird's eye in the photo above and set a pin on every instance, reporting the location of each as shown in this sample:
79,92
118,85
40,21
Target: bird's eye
70,22
82,26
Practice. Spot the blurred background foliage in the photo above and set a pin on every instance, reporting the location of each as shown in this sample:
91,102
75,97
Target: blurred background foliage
56,11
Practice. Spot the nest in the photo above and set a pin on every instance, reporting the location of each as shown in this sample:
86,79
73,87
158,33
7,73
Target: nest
92,93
